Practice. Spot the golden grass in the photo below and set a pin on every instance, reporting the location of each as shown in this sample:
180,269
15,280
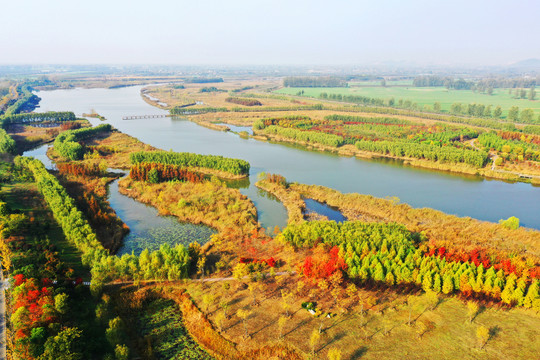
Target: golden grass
291,200
211,203
443,229
116,147
382,333
129,300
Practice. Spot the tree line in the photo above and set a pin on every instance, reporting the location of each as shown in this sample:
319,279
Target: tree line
482,85
209,89
203,80
245,102
50,116
504,82
170,263
389,254
215,162
80,169
65,212
7,144
363,119
196,111
520,150
67,145
156,173
473,109
443,154
446,81
314,81
26,100
305,135
487,123
356,99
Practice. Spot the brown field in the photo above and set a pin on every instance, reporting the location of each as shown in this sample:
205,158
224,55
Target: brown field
383,332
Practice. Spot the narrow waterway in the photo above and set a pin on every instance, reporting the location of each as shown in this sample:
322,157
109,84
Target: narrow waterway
313,206
148,229
472,196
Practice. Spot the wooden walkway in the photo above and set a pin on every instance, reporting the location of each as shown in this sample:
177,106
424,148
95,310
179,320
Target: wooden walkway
136,117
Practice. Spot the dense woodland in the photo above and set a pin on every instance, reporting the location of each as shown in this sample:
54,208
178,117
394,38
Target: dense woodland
157,172
242,101
388,136
426,151
67,143
215,162
7,144
390,254
13,111
512,146
26,101
47,320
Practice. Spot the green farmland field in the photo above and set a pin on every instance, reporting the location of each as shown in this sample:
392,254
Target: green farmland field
378,82
427,96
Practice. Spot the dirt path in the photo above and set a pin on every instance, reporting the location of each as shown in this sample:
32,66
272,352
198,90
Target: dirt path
245,277
216,279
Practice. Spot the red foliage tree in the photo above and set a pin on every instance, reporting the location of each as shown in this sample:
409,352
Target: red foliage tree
323,263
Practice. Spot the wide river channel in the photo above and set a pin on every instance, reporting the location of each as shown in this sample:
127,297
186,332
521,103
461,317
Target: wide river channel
472,196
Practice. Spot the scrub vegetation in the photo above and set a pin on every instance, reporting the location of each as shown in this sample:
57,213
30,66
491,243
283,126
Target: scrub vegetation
391,281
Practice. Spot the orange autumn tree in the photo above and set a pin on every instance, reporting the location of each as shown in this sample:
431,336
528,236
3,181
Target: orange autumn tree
33,307
324,263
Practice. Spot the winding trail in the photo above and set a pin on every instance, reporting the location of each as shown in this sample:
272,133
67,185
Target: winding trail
493,157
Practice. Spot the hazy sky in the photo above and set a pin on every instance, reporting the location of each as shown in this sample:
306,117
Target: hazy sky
269,32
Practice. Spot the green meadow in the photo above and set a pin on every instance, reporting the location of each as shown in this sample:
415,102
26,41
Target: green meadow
428,96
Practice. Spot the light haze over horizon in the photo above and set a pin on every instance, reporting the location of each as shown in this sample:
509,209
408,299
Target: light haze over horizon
276,32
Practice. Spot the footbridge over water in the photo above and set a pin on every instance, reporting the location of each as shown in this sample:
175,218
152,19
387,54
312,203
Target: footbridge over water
136,117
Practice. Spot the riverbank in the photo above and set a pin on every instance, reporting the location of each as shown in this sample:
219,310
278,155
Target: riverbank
350,150
248,312
377,177
442,230
210,203
272,104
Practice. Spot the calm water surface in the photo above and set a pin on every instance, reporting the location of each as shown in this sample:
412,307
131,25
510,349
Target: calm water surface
147,228
455,194
313,206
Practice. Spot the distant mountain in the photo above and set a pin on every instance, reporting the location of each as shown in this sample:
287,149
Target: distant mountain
527,64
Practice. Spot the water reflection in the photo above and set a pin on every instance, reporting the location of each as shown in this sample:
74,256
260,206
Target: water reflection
452,193
313,206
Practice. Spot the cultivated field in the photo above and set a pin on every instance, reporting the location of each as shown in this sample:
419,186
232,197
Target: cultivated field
427,96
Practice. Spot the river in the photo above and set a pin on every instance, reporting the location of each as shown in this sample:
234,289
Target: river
471,196
148,229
